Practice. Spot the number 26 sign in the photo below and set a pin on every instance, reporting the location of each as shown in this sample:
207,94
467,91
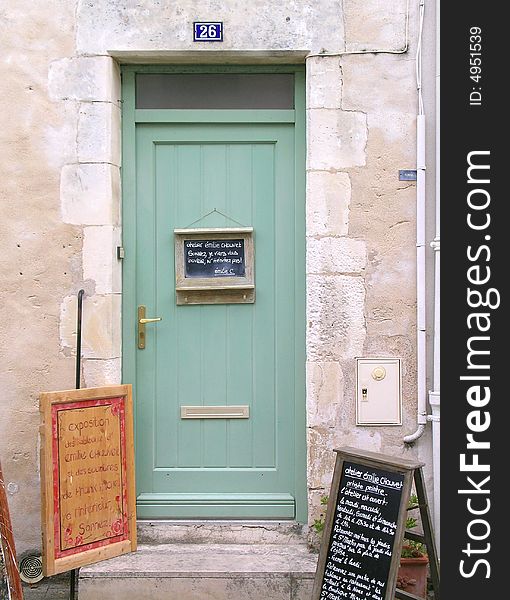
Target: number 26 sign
207,31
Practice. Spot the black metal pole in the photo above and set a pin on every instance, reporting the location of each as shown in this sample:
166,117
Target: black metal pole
78,339
74,573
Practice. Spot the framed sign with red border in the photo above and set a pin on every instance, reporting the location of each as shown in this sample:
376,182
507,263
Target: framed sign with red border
87,476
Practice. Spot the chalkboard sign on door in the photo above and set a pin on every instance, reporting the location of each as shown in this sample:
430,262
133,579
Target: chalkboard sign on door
214,258
214,265
364,528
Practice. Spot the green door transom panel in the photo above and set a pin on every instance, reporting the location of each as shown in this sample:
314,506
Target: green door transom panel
215,173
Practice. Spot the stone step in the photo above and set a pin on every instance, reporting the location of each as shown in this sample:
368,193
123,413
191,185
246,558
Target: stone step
221,532
203,572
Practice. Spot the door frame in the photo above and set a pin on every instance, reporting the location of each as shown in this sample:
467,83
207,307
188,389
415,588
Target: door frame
130,116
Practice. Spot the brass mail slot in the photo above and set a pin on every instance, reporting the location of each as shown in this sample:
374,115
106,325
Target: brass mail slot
215,412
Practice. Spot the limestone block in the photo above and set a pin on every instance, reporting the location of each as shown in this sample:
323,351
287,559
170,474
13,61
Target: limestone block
382,209
335,316
85,78
98,138
90,194
396,85
100,263
204,531
337,139
57,142
321,457
373,24
323,82
146,26
302,587
383,315
67,324
397,128
324,393
101,372
206,571
365,438
315,507
186,588
390,316
335,255
327,205
316,510
391,275
101,327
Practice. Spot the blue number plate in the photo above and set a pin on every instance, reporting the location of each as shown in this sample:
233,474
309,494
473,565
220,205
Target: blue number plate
207,31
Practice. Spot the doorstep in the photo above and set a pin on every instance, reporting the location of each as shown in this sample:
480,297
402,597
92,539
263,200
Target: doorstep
220,531
193,571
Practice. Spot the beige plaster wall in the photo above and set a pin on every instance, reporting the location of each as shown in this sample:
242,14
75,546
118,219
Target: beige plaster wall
61,195
40,254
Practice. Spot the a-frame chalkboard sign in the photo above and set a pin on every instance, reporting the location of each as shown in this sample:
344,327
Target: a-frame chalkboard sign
365,526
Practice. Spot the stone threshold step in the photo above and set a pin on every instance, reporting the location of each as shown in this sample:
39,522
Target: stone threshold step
206,560
221,532
203,572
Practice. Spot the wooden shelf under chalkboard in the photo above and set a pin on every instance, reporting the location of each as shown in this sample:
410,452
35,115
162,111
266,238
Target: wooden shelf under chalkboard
216,295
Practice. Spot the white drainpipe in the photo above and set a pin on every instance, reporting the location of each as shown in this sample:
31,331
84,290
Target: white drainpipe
435,394
420,281
421,333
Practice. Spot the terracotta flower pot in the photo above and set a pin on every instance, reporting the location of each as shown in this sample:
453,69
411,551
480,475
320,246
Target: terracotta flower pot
412,575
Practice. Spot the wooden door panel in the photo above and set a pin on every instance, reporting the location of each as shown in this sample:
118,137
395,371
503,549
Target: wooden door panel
216,175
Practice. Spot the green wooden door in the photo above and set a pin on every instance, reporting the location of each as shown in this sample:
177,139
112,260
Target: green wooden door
217,174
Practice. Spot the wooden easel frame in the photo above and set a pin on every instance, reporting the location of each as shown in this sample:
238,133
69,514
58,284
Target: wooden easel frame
15,587
426,538
411,470
376,461
53,562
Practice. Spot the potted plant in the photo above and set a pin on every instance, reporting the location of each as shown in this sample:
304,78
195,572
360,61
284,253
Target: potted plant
412,572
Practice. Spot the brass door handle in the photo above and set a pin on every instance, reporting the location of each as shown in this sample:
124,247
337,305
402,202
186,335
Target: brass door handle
142,320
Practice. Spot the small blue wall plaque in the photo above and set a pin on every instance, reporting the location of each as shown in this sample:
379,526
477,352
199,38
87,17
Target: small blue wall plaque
407,175
207,31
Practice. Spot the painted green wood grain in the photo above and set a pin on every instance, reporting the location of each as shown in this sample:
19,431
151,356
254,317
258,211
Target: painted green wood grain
166,447
223,354
264,347
167,115
284,306
217,505
145,294
240,329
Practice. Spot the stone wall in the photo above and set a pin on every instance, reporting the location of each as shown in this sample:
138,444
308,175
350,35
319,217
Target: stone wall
61,194
40,254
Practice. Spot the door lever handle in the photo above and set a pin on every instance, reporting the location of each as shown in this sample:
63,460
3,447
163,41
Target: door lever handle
142,320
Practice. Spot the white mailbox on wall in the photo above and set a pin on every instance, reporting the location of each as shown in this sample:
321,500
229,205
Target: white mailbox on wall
378,391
